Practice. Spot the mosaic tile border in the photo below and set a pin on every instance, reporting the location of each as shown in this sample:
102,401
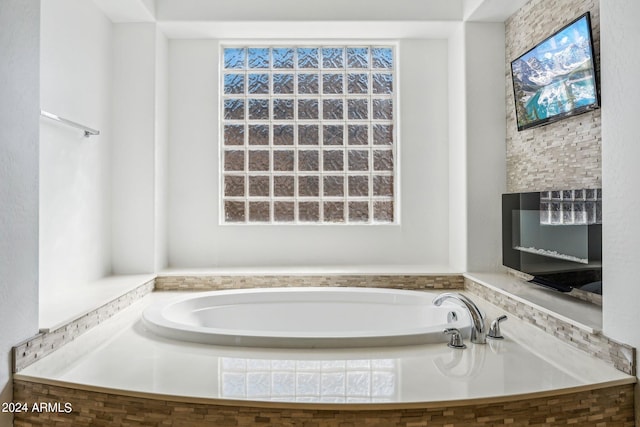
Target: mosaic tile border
621,356
409,282
28,352
611,406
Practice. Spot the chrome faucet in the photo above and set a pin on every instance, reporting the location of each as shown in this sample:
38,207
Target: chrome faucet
478,331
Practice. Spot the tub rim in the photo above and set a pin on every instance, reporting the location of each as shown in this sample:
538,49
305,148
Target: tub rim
153,318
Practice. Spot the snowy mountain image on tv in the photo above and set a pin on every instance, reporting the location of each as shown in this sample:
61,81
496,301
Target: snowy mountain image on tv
556,78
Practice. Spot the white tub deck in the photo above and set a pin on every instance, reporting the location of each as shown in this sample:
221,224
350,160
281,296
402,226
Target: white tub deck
121,356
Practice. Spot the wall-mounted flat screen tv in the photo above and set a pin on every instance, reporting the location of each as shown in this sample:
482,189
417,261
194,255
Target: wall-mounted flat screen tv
557,78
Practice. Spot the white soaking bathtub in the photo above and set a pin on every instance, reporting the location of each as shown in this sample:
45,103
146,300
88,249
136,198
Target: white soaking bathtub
307,317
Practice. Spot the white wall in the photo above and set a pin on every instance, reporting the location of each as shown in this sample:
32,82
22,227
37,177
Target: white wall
140,148
161,150
485,138
476,146
196,239
75,228
133,149
19,115
457,151
620,68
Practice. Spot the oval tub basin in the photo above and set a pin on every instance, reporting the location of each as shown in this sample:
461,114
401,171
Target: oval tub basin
307,318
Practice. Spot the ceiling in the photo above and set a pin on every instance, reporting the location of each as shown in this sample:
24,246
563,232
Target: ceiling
310,18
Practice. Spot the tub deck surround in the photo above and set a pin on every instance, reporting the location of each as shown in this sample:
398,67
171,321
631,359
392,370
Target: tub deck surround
581,328
121,357
81,319
574,321
118,372
581,314
66,305
65,316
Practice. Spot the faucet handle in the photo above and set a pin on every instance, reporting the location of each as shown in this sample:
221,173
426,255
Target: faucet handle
456,338
494,330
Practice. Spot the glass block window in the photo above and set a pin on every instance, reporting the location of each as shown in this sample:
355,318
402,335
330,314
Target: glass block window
308,134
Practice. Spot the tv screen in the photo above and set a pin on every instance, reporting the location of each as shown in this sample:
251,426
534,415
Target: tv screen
557,78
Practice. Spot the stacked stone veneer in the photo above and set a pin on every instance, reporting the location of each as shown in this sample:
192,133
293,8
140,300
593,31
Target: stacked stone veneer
411,282
35,348
621,356
564,154
611,406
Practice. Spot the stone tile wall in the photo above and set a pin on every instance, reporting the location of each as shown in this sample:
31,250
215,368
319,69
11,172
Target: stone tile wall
26,353
621,356
410,282
565,154
611,406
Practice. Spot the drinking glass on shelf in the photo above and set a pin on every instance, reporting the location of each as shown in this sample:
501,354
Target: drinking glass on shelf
545,214
590,212
579,216
567,213
556,213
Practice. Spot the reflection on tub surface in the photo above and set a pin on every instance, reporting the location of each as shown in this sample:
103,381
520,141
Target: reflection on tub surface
325,381
456,366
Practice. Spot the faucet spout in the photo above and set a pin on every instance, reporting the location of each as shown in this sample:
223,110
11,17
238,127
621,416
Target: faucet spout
478,330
